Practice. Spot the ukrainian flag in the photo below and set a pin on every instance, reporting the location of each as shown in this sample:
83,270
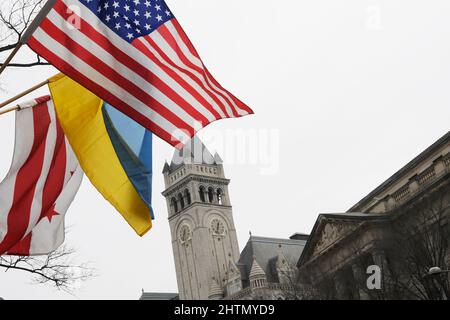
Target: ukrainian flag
114,151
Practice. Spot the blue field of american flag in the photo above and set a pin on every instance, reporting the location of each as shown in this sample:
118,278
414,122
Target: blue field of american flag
135,55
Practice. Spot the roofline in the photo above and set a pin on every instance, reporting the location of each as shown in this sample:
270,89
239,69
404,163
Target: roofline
389,182
346,216
352,216
267,239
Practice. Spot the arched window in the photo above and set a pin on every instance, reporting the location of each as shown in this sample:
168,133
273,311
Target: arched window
174,205
187,195
180,198
211,195
201,191
220,196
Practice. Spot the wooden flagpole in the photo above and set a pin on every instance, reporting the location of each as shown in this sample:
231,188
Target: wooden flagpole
9,110
10,57
20,95
29,32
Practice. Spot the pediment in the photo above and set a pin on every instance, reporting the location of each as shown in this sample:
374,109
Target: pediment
330,232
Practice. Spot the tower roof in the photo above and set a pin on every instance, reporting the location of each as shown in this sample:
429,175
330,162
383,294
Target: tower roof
266,251
233,270
281,260
214,289
194,152
256,271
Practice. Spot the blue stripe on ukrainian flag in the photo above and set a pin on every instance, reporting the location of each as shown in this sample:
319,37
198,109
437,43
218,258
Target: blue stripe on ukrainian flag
133,146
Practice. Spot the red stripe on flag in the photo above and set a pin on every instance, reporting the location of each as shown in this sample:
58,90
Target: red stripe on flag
177,78
55,179
238,102
172,42
150,41
23,247
66,68
132,64
28,175
42,99
194,52
97,64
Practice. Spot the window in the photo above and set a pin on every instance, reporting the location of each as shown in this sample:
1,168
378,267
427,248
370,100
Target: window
187,195
202,194
220,196
211,195
181,199
174,205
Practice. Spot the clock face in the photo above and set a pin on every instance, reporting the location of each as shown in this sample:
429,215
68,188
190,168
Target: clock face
185,233
217,227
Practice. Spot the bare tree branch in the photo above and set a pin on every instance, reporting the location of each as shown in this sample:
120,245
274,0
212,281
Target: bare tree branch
15,17
38,62
420,241
57,268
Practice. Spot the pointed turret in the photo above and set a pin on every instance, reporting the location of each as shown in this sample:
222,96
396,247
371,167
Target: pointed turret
282,261
215,292
258,278
286,271
194,152
234,280
217,159
233,270
166,168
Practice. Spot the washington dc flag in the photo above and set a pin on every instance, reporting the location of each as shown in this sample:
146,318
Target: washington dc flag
41,184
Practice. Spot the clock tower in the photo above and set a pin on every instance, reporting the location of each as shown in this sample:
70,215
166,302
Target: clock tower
201,222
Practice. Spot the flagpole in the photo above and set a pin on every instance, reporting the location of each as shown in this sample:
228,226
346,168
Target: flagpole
9,110
10,57
22,94
29,32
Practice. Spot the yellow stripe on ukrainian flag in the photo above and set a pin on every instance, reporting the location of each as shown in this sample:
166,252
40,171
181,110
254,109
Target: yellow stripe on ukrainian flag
80,114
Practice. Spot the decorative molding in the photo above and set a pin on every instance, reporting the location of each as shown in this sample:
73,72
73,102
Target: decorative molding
193,177
198,203
416,184
331,233
441,145
446,160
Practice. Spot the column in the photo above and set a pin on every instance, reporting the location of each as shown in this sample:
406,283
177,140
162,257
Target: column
360,278
195,196
379,258
340,285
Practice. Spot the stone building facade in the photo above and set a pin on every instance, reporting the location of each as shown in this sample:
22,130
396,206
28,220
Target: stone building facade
201,222
401,227
207,258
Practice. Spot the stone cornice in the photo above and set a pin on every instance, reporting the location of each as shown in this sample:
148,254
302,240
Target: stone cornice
347,238
197,203
194,177
422,157
307,260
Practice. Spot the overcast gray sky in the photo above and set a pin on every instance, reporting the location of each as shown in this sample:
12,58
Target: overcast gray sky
352,90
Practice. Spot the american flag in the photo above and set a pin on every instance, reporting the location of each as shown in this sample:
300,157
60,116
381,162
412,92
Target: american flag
135,55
